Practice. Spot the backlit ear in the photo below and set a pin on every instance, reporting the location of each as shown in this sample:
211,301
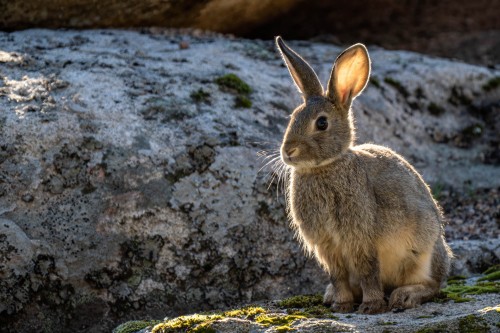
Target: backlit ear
302,74
349,76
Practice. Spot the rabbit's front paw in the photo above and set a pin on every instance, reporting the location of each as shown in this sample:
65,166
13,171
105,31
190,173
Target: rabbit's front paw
372,307
329,295
404,298
343,307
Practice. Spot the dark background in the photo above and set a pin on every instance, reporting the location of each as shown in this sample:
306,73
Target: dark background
461,29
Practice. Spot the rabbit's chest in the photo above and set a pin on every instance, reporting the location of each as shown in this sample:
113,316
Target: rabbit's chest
318,211
320,208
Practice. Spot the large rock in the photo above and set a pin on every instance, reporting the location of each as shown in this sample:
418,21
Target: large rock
130,183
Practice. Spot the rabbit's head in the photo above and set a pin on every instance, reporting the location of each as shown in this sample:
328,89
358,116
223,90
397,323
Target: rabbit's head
321,128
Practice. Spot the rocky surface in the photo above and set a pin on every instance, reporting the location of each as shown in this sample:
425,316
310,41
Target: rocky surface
129,174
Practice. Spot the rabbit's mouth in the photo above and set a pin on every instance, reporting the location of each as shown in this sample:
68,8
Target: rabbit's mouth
291,161
297,163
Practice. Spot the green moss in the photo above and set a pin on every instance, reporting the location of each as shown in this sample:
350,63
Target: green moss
437,190
186,323
456,279
320,311
419,92
456,292
156,108
436,329
301,301
242,102
134,326
396,84
200,95
282,322
492,83
473,324
491,274
246,312
201,323
492,269
309,305
495,276
457,97
473,131
435,109
233,82
375,81
204,328
387,323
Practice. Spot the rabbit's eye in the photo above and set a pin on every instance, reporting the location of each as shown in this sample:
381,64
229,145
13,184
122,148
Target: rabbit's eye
321,123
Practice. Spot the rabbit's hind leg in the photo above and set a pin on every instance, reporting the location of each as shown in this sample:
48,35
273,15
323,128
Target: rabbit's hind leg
410,296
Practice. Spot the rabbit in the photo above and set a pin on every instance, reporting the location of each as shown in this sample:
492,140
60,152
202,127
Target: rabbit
363,211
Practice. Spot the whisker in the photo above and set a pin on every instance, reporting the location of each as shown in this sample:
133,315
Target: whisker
264,158
276,168
268,163
283,177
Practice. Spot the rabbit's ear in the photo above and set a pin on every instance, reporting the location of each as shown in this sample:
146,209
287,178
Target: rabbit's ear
302,74
349,76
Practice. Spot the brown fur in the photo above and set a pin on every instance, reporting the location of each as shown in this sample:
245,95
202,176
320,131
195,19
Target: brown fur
363,211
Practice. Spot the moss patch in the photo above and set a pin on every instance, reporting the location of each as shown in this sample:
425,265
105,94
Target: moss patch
437,190
233,82
456,279
419,93
456,292
301,301
200,96
437,329
201,323
457,289
193,323
307,306
375,81
435,109
282,322
396,84
491,274
242,102
134,326
473,131
457,97
492,83
473,324
247,312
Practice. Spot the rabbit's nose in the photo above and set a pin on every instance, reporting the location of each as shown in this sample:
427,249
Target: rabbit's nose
292,152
